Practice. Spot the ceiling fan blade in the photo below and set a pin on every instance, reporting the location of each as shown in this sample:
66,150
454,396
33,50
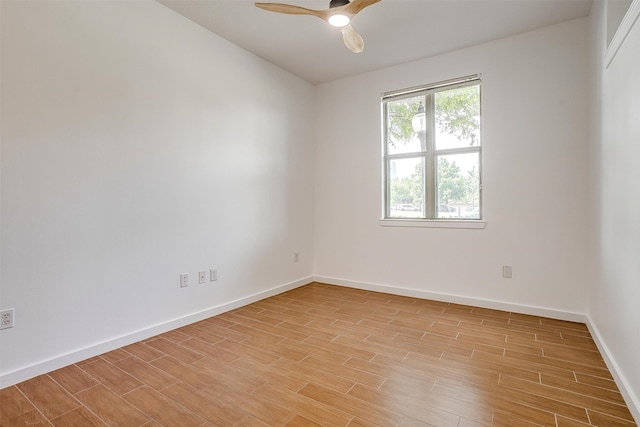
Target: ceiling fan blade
352,40
292,9
357,5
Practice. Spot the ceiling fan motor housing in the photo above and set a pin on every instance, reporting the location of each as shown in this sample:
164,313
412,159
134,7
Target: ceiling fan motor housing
339,15
337,3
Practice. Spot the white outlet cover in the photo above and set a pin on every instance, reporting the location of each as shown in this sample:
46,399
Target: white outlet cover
7,318
507,273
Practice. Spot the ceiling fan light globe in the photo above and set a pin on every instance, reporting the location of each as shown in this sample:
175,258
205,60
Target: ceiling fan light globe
339,20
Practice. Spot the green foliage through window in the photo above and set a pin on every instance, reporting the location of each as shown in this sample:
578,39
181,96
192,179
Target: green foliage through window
434,172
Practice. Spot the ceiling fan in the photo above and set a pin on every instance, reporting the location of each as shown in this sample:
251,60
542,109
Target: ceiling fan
339,15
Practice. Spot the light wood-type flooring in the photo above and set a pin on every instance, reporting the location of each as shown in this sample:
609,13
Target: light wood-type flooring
324,355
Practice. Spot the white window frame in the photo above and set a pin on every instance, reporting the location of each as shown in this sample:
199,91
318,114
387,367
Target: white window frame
429,156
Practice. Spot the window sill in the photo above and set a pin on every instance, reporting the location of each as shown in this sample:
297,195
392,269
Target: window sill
433,223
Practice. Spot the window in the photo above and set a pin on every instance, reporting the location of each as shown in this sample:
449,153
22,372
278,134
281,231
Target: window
432,151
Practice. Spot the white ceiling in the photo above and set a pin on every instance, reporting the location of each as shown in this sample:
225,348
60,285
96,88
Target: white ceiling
394,31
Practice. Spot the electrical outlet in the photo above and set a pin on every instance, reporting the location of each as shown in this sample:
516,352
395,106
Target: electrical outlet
213,275
184,280
296,257
7,318
506,271
202,276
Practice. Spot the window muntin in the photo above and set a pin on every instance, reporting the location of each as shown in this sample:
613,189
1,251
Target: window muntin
432,151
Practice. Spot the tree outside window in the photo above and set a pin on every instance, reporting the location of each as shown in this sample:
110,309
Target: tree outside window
432,149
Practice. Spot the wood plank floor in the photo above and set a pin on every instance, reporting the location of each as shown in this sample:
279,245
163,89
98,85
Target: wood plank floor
323,355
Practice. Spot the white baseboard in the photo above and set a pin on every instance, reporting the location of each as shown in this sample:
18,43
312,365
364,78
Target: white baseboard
457,299
633,402
23,374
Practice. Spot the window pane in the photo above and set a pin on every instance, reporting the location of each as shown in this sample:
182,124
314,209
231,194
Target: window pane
406,188
401,137
457,114
458,186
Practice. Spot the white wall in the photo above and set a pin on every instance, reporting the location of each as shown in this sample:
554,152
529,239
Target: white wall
137,146
613,306
535,97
